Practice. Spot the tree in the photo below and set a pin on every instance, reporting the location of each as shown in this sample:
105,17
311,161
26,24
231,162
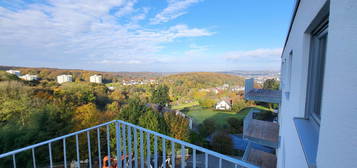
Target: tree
271,84
207,102
85,116
132,111
207,127
152,121
177,126
160,96
222,143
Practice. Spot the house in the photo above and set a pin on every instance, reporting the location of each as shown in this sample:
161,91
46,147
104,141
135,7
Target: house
224,105
14,72
29,77
95,79
64,78
316,126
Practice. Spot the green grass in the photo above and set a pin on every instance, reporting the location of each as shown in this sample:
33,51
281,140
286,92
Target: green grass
181,106
200,114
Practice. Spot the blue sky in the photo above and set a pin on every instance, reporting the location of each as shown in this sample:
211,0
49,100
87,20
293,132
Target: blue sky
144,35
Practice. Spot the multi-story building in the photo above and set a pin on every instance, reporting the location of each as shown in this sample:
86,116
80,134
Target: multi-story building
14,72
317,115
95,79
29,77
64,78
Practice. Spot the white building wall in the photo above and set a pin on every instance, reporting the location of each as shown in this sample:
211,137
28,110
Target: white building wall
95,79
293,103
338,130
64,78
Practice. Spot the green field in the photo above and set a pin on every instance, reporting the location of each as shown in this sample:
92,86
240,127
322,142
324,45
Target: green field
181,106
200,114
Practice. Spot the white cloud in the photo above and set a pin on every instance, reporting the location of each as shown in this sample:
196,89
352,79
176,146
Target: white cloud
74,31
261,53
174,9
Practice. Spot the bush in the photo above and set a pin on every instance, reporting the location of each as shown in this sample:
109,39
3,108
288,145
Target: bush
235,125
222,143
207,127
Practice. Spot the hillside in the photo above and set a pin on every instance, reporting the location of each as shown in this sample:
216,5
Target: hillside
78,74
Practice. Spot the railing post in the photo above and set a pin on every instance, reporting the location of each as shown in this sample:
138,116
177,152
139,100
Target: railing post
99,152
163,153
118,141
206,160
64,153
50,153
89,150
182,156
194,158
136,147
155,151
148,148
129,147
77,150
14,160
108,145
33,158
173,154
141,149
124,144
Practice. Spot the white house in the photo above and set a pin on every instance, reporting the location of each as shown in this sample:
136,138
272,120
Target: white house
318,110
224,105
29,77
14,72
95,78
64,78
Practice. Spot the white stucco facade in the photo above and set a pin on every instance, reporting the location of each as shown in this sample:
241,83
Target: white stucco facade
95,79
64,78
29,77
223,105
337,142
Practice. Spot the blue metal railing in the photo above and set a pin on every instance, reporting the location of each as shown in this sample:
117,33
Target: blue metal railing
126,150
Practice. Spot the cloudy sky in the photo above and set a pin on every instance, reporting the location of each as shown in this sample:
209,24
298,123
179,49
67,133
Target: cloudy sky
144,35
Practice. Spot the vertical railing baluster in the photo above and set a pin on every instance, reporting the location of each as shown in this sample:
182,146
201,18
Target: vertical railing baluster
220,162
124,144
235,166
99,152
129,147
118,141
155,151
206,160
33,158
108,145
173,154
148,148
64,153
163,153
50,153
182,156
89,150
136,147
141,149
77,150
14,160
194,158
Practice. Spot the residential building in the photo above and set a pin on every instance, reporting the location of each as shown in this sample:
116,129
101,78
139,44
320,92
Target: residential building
64,78
95,79
317,112
224,105
29,77
14,72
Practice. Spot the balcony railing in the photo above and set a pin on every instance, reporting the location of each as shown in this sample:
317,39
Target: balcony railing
261,132
262,95
117,144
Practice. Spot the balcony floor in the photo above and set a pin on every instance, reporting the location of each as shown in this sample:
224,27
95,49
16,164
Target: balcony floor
263,131
262,159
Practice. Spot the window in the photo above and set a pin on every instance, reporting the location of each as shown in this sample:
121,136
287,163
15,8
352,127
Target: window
316,73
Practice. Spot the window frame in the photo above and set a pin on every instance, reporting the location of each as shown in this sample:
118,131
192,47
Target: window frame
316,69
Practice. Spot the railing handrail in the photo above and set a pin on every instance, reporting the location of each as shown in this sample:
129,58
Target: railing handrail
186,144
52,140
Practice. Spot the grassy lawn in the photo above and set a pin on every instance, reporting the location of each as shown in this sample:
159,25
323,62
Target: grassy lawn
181,106
200,114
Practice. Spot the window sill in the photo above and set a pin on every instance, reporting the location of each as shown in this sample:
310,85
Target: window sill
309,138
